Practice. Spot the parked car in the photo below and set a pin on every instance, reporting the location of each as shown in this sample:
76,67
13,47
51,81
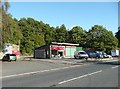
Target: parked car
109,56
105,55
9,57
91,54
80,54
99,55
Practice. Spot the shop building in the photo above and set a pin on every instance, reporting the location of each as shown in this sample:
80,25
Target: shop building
54,50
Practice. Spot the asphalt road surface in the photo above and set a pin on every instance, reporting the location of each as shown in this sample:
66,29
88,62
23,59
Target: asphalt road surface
18,67
35,74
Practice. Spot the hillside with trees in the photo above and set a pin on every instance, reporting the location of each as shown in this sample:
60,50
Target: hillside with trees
30,33
10,31
101,39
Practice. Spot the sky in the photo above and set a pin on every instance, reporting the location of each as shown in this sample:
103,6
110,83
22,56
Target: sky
84,14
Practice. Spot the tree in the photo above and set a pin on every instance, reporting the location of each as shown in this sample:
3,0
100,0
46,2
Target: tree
32,35
117,35
16,34
10,30
61,34
100,39
77,35
4,5
49,33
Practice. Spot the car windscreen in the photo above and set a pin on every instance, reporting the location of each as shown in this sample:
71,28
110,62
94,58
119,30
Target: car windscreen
12,57
82,52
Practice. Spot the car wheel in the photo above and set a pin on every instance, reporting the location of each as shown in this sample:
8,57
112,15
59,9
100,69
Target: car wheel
86,59
9,60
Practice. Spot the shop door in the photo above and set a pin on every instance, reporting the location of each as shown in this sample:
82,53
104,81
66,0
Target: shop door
67,51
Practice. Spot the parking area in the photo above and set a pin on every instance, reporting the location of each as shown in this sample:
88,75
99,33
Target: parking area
17,67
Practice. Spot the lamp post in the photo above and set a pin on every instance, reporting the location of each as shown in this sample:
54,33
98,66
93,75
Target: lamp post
0,39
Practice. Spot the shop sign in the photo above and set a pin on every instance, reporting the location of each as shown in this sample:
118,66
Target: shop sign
57,48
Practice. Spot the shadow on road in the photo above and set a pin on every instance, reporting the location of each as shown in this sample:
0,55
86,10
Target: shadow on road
109,63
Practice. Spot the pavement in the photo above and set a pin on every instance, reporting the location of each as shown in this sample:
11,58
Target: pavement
70,61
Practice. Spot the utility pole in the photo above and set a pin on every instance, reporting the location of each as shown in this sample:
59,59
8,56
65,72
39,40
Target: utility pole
118,15
0,29
0,39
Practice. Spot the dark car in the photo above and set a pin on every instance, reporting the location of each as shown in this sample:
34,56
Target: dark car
94,54
99,55
9,57
91,54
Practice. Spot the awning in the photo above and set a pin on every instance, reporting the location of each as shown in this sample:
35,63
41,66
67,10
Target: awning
54,48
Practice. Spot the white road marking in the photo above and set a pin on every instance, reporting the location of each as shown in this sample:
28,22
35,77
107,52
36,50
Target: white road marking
79,77
28,73
115,66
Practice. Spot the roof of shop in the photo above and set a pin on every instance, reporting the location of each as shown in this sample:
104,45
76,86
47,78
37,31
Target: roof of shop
42,47
56,43
70,44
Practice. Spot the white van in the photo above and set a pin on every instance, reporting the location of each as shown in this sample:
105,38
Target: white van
80,55
115,53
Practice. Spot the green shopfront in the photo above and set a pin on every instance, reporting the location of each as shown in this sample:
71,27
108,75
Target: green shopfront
65,50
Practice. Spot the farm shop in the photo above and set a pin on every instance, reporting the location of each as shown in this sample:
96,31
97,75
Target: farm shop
56,50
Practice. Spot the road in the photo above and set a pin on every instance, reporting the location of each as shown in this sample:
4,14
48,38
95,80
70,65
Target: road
44,74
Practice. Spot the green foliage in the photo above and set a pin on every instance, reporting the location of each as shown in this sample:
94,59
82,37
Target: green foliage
101,39
77,35
32,35
49,33
61,34
10,29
